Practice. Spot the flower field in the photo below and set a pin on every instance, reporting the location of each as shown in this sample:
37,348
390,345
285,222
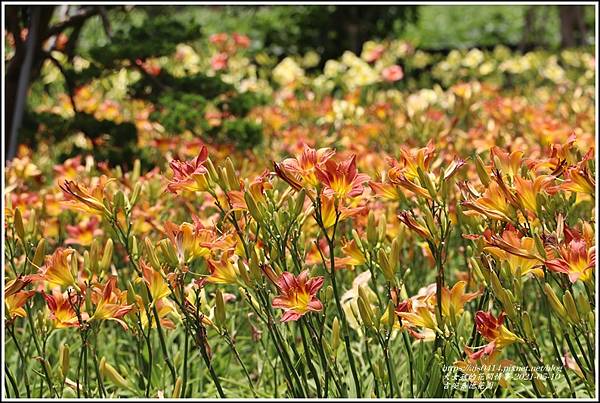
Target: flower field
411,225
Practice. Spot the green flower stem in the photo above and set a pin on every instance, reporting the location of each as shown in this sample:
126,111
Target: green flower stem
11,331
331,244
311,365
408,347
11,379
40,353
125,242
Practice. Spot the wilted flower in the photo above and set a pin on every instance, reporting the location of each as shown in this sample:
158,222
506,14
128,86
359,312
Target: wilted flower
298,295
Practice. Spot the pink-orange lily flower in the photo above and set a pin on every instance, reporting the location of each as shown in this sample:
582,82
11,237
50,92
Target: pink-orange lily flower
189,175
298,295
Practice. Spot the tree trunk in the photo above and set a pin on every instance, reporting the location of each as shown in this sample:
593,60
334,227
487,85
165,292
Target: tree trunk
15,66
572,26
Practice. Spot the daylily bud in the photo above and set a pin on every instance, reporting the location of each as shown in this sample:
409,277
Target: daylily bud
31,223
136,171
94,255
357,240
527,326
243,271
135,195
169,253
231,175
481,172
381,228
19,228
152,258
107,256
119,200
135,251
219,309
427,183
144,295
255,212
177,388
255,272
299,202
477,271
371,228
40,252
497,286
583,304
223,180
571,308
212,172
555,303
108,371
130,293
395,252
539,244
386,267
364,313
335,334
328,293
64,359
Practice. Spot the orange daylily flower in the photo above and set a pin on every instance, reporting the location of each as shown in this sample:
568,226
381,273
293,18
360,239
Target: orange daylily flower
413,225
84,232
353,255
156,283
61,309
194,240
57,268
494,331
328,213
576,258
527,190
222,271
492,204
341,179
110,303
411,160
301,172
519,251
386,191
507,163
89,201
298,295
257,190
13,303
579,180
454,300
189,175
481,367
